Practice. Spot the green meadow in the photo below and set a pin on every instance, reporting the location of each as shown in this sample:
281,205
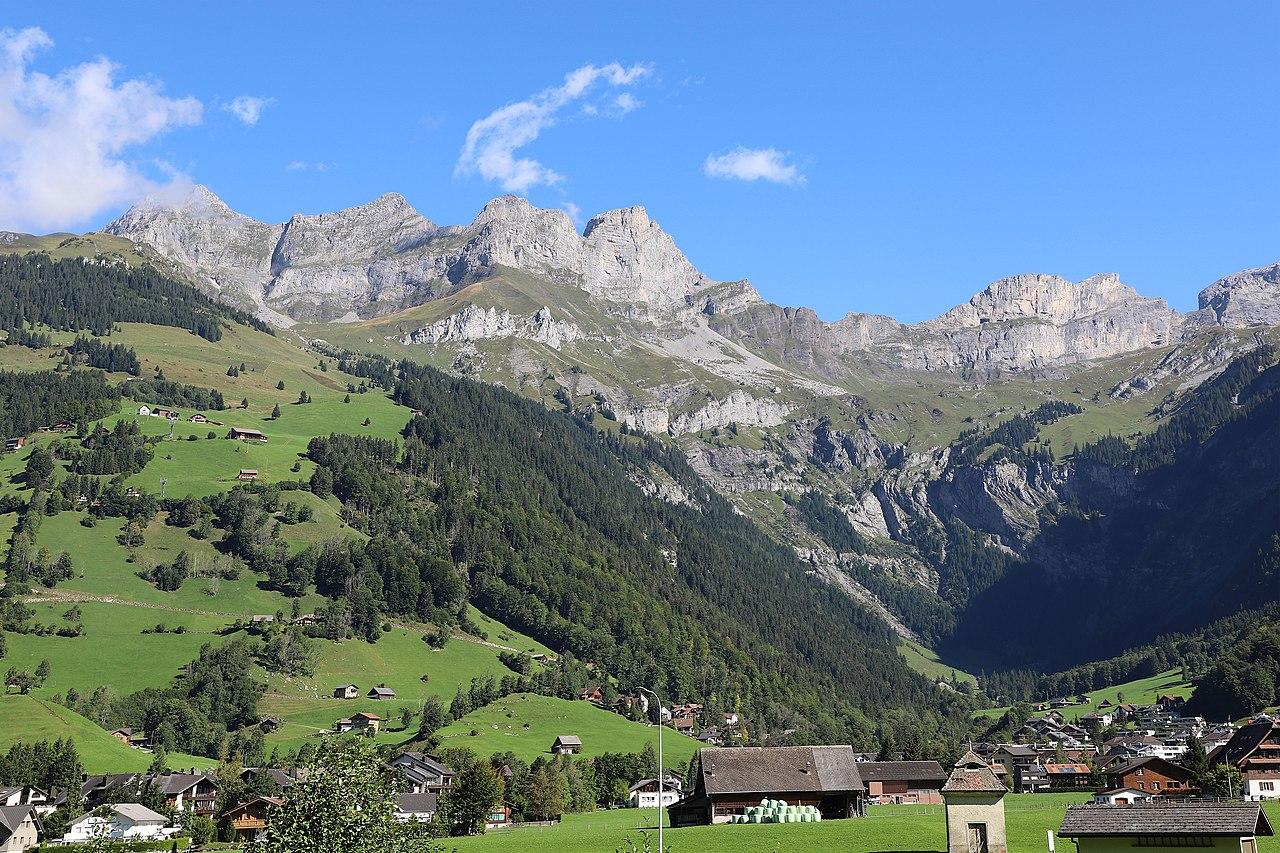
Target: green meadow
1141,691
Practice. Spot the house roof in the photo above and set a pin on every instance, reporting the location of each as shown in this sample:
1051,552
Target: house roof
366,715
425,803
421,760
176,783
759,769
11,817
382,691
1168,817
138,813
900,771
1065,767
1243,742
248,431
972,774
272,801
1018,749
1134,763
569,740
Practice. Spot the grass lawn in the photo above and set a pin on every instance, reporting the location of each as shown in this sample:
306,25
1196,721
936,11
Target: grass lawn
885,828
526,724
28,719
1142,691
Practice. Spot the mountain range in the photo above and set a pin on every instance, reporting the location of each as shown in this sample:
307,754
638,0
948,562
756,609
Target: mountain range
920,441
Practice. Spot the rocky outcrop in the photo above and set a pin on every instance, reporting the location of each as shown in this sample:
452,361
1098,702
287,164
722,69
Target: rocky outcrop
1244,299
474,323
738,407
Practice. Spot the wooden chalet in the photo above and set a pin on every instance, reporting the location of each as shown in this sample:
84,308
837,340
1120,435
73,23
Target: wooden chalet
728,781
902,781
566,745
248,819
247,474
13,445
361,722
1254,750
246,434
1151,775
384,694
346,691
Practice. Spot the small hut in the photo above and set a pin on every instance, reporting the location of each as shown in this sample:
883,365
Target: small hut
974,800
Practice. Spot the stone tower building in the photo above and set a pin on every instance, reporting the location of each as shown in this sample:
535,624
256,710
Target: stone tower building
974,800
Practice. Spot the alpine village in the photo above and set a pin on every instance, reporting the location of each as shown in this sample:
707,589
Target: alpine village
326,532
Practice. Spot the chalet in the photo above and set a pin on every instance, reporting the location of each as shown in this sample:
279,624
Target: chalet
270,724
144,411
417,413
1016,760
195,792
1151,775
20,828
361,722
566,745
261,619
24,795
280,779
120,821
1066,775
684,725
499,817
644,794
1254,750
133,492
247,474
728,781
420,806
902,781
166,413
198,418
346,691
307,619
129,737
1167,824
62,426
13,445
1169,702
246,434
248,819
381,693
421,772
594,695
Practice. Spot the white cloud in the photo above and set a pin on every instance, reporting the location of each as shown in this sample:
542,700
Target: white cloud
753,164
63,137
306,166
575,212
492,142
627,102
248,108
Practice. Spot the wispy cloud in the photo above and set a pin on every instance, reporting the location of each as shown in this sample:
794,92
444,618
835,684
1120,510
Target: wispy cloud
575,212
492,142
306,166
753,164
63,138
248,108
627,102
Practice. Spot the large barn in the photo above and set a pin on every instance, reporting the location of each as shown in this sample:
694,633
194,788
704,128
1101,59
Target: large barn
727,781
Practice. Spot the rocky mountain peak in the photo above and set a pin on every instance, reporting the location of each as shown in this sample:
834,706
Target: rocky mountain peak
1047,298
1243,299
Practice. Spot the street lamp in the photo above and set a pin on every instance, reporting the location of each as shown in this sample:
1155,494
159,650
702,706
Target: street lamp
654,694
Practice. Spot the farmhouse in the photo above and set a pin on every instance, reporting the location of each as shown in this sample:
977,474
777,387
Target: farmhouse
902,781
421,772
566,745
13,445
198,418
418,806
1121,796
1151,775
247,474
346,691
19,828
382,693
1066,775
248,819
246,434
127,737
1254,750
1168,825
644,794
727,781
361,722
144,411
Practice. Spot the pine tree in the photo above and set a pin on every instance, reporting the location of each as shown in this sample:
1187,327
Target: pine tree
275,412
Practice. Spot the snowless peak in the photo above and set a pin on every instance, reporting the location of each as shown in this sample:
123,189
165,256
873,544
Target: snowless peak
1243,299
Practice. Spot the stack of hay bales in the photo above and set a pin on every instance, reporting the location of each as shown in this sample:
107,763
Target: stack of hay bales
777,811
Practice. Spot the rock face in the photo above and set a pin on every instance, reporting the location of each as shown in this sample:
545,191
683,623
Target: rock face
474,323
1247,298
738,407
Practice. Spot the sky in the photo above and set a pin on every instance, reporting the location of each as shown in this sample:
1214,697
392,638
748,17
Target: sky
883,157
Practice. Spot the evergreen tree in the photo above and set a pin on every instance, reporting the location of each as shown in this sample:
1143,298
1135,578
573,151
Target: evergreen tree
475,792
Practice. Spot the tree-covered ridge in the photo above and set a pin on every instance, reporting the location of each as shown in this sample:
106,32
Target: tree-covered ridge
1244,385
1010,434
29,401
556,541
75,295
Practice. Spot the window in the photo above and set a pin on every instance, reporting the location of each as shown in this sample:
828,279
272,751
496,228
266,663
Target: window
1266,786
1155,786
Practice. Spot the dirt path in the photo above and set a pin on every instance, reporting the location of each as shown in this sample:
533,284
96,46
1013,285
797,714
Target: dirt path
73,597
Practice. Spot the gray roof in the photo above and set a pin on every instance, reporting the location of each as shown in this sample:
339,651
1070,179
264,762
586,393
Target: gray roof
176,783
1017,749
901,771
138,813
424,803
421,760
761,769
569,740
11,817
1166,818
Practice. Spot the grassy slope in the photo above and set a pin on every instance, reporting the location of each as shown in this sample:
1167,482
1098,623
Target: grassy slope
885,828
926,662
527,724
1142,691
27,718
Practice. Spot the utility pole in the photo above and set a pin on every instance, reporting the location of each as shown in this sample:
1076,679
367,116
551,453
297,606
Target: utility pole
661,849
163,482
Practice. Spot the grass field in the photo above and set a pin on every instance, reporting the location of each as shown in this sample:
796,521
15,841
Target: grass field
527,724
1142,691
28,719
925,661
911,829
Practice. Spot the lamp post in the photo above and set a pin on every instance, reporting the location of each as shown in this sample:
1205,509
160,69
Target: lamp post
652,693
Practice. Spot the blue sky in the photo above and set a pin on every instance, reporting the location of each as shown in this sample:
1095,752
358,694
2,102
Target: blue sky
905,154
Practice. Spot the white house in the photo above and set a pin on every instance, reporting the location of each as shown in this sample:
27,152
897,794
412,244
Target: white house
420,807
144,411
1122,796
644,794
19,828
122,821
